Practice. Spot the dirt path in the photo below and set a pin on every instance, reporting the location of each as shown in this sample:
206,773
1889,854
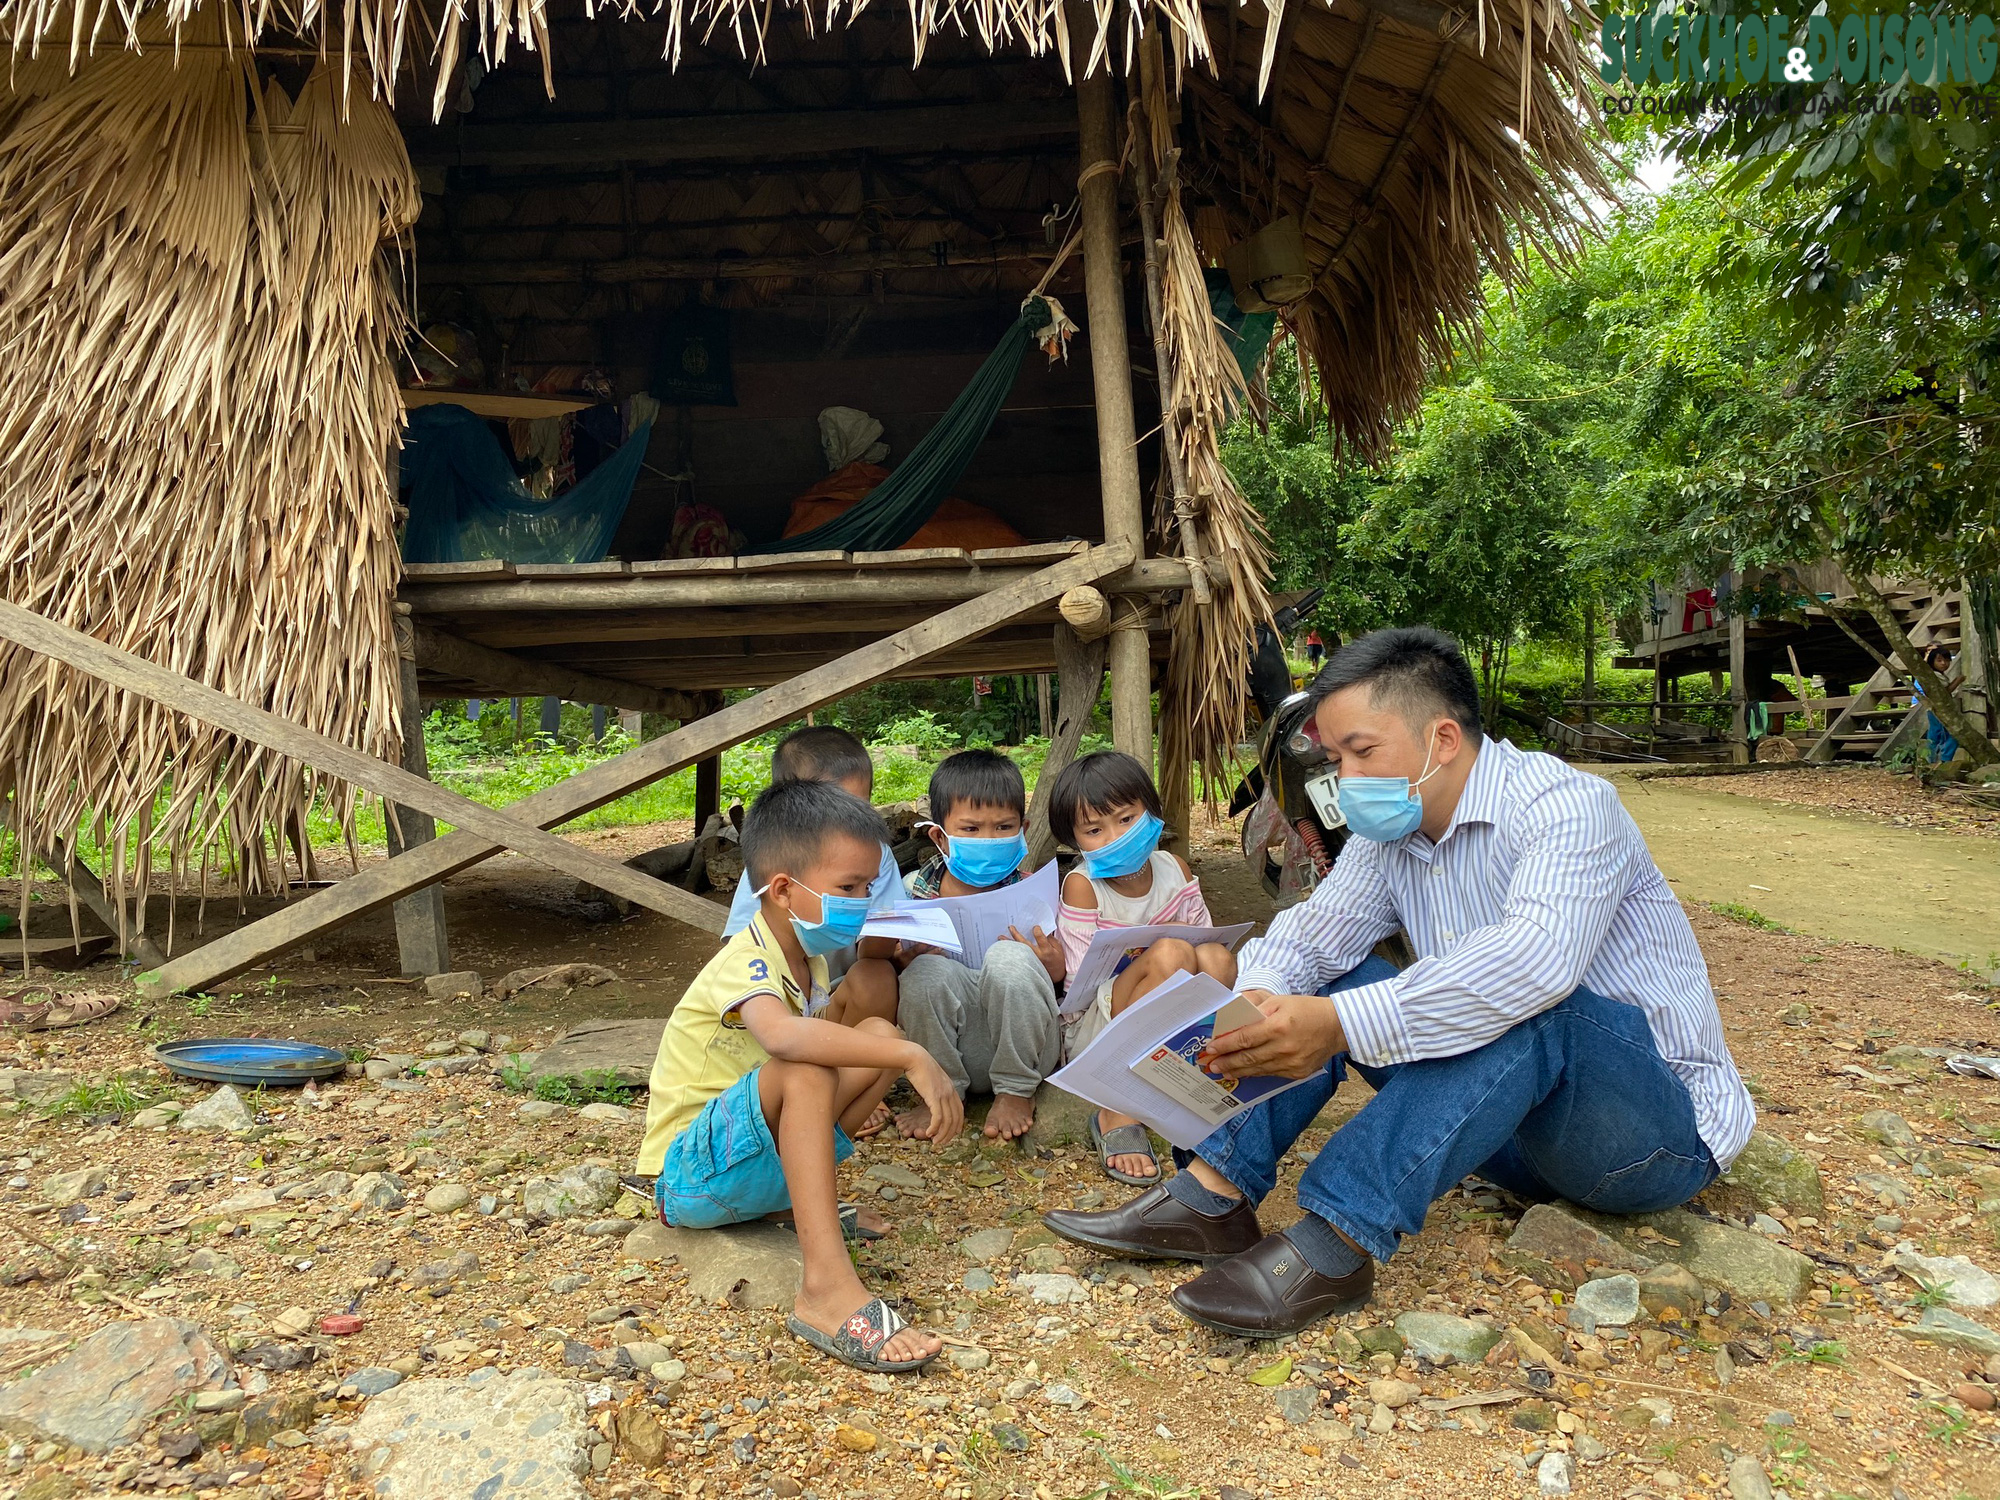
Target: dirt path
1832,875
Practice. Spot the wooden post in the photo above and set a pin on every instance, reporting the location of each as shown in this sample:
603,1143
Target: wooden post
1111,372
1042,703
1975,670
707,791
1079,680
1739,686
422,941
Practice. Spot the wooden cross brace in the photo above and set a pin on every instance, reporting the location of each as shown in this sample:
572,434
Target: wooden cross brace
483,831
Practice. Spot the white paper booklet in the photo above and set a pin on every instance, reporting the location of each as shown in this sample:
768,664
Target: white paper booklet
983,920
915,922
1111,949
1141,1064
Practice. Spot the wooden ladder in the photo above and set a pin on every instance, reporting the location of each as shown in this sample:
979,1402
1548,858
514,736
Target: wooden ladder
1886,712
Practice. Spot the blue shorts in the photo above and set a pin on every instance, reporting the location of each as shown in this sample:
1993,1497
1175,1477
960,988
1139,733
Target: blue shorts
724,1168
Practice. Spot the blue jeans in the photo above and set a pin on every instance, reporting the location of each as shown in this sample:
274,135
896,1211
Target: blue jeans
1572,1103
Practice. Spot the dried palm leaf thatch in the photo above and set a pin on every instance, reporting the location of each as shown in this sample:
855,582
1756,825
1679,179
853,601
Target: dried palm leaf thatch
1202,386
196,406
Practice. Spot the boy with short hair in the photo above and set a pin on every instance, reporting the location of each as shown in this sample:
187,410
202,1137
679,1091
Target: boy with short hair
754,1093
989,1019
864,977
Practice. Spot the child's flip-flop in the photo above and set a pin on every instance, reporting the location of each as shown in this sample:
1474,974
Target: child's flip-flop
851,1226
857,1341
1123,1140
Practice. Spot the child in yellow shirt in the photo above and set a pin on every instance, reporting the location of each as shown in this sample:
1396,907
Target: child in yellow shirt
755,1096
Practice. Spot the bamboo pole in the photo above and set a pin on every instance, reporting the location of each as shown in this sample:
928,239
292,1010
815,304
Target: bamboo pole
1111,373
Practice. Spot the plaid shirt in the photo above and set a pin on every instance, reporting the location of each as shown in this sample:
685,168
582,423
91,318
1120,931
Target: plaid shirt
927,884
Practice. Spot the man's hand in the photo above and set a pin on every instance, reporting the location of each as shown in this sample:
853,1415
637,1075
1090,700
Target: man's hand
1298,1036
1048,948
947,1109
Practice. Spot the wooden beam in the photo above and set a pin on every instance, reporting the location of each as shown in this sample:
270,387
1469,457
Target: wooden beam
725,268
80,878
197,700
768,592
638,767
503,675
1111,372
756,135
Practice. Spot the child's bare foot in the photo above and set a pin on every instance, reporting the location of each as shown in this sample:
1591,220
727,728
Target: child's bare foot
1009,1117
829,1311
912,1123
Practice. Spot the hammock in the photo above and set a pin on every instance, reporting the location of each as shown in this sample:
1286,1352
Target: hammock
898,507
466,503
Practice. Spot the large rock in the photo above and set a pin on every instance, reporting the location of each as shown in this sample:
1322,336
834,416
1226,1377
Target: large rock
743,1265
102,1395
624,1048
1442,1338
1061,1119
1950,1330
1558,1248
1750,1267
522,1436
573,1193
1779,1178
222,1110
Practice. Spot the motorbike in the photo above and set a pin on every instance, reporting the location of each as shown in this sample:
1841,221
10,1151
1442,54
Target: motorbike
1294,830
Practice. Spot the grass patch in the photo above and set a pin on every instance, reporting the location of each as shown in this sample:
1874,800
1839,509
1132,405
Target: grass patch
1749,916
599,1086
116,1096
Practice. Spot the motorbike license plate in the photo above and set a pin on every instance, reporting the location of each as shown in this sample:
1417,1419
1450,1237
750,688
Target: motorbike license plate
1323,792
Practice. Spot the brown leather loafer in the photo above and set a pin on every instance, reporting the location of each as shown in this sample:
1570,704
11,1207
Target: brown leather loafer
1269,1292
1158,1226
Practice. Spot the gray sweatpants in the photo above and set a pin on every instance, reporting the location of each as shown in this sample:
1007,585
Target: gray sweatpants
989,1028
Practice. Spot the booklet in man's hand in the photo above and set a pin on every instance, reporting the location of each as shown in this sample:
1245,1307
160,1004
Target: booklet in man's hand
1142,1063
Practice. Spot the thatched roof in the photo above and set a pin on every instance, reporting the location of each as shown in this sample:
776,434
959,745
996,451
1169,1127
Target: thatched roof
1418,143
199,325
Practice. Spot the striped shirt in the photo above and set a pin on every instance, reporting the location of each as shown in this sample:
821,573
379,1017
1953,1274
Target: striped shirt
1541,884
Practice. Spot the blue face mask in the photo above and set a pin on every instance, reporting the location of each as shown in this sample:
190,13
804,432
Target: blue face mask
839,926
1127,854
1384,808
984,862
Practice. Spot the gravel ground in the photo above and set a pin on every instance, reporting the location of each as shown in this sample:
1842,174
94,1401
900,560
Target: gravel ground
1113,1393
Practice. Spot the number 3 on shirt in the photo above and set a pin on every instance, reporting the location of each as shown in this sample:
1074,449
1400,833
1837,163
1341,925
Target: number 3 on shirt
759,969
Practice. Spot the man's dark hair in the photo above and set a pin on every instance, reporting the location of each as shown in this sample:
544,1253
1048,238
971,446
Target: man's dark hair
983,778
1412,670
791,824
823,753
1098,783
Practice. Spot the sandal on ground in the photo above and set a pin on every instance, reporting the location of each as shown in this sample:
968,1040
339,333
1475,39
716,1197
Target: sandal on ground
857,1341
1123,1140
75,1010
28,1009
